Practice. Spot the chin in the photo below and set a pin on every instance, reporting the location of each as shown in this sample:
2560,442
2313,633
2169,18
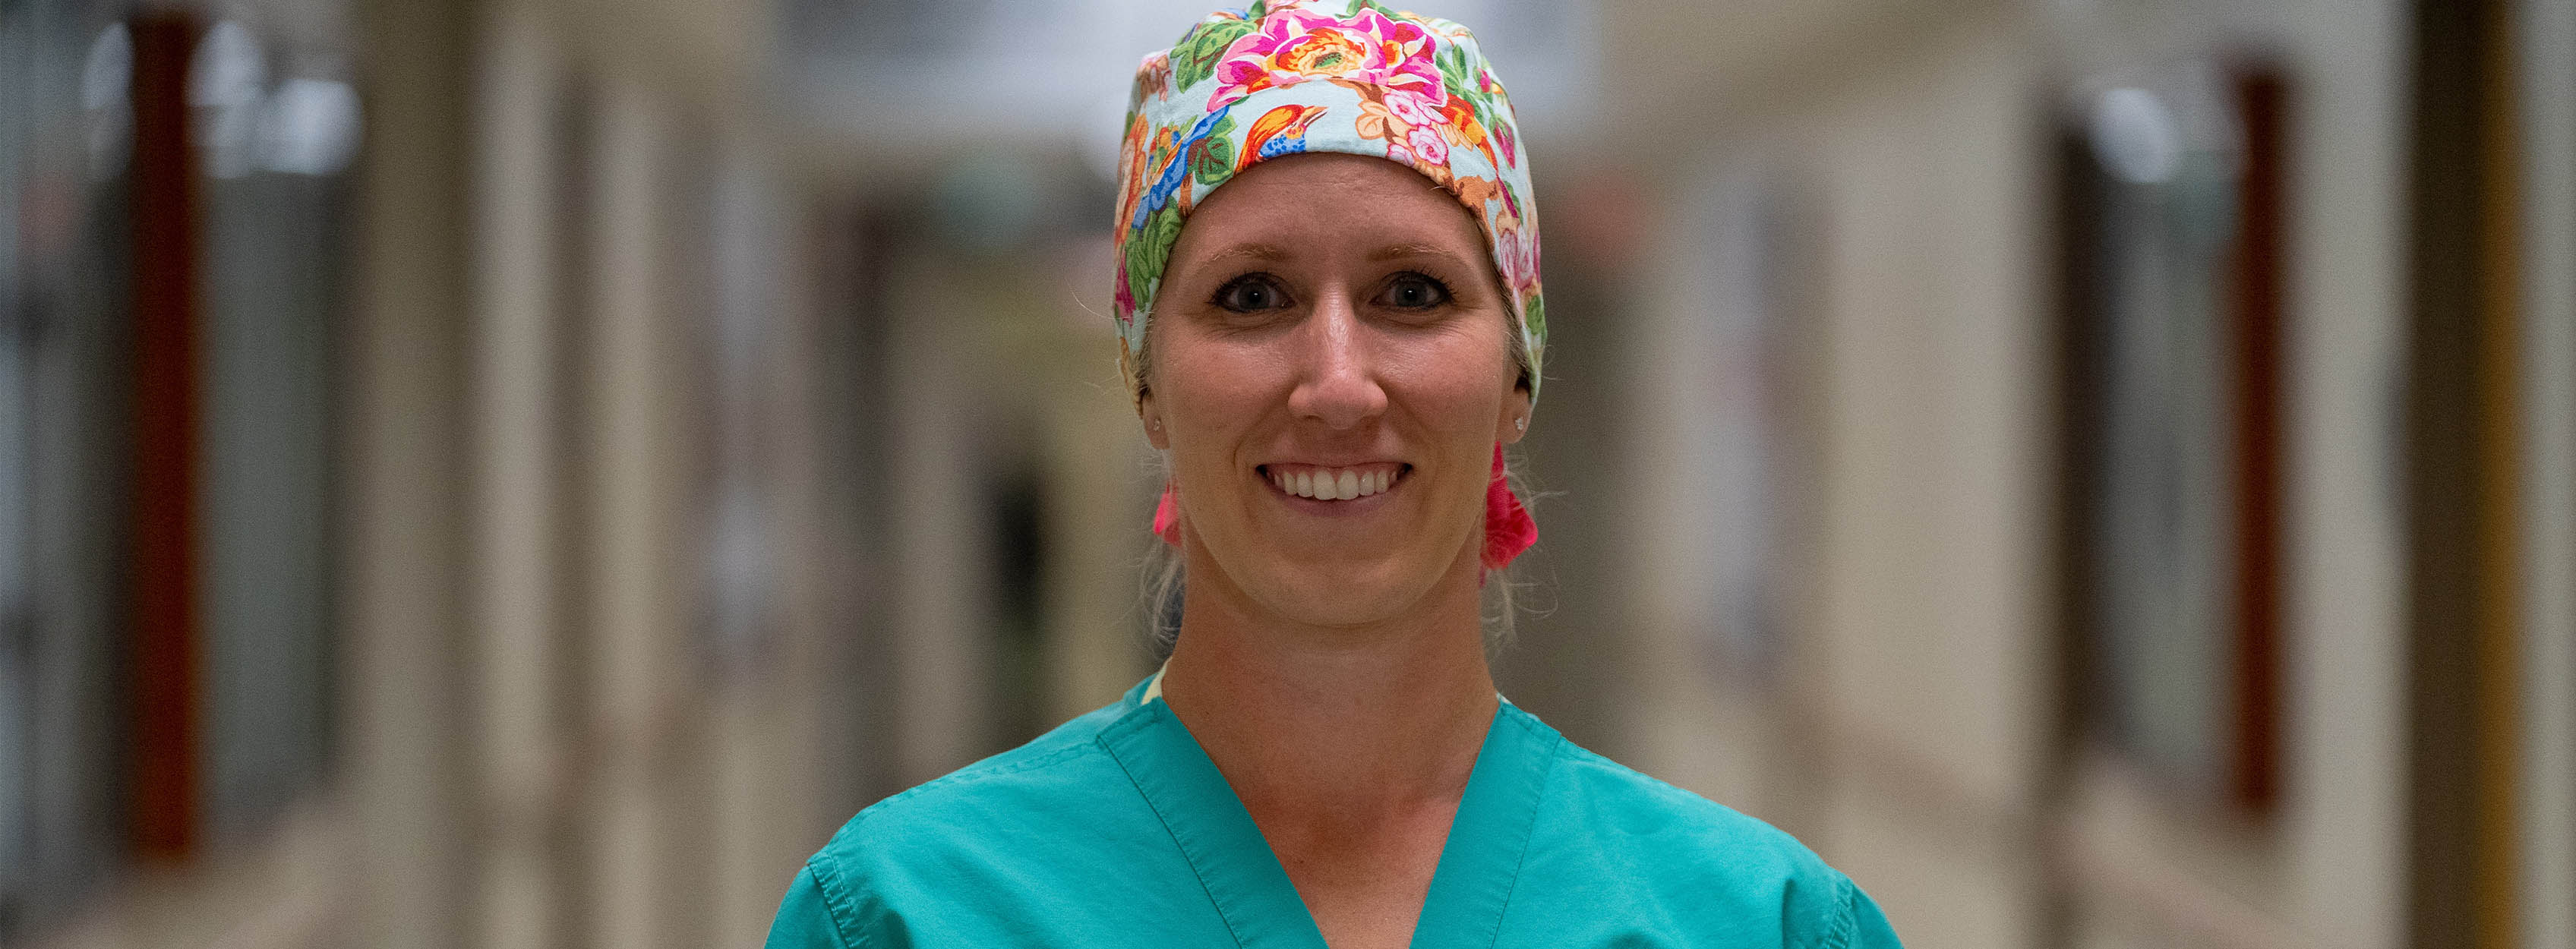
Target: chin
1344,597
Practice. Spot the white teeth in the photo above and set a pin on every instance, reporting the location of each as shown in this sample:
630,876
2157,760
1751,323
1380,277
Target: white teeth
1329,485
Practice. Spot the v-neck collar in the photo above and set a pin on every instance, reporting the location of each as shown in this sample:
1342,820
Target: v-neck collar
1479,863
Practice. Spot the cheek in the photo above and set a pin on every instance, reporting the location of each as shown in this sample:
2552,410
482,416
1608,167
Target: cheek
1207,390
1457,387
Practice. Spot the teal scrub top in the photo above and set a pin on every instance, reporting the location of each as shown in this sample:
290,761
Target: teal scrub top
1116,830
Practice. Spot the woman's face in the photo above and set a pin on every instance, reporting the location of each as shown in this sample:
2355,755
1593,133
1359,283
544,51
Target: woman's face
1330,370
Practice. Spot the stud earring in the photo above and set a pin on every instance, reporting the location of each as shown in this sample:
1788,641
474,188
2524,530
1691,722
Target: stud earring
1520,424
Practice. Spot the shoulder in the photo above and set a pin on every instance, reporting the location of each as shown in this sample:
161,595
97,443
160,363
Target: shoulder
1633,806
1029,821
955,834
1692,856
1063,764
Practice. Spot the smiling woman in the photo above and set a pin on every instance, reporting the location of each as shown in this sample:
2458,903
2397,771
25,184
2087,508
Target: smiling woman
1331,324
1333,369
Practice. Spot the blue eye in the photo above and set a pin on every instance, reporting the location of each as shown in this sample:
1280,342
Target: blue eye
1251,292
1414,291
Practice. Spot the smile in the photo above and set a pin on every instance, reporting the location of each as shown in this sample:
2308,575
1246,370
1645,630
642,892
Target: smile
1335,484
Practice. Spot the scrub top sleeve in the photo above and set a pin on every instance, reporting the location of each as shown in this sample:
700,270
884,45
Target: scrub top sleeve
805,918
1863,926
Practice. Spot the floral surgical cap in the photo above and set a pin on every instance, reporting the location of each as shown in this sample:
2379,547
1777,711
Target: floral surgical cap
1293,76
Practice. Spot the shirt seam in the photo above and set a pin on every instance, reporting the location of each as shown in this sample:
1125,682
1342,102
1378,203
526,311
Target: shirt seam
1848,920
1520,862
838,902
1123,725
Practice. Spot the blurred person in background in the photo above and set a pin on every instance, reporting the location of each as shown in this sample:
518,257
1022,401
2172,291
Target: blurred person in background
1330,355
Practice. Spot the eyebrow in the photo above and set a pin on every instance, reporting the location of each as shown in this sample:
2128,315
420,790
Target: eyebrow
1403,251
1254,251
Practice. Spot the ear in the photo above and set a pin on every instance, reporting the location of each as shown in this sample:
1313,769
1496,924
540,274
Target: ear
1153,420
1515,420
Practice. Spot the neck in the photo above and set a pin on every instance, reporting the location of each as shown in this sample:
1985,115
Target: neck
1347,724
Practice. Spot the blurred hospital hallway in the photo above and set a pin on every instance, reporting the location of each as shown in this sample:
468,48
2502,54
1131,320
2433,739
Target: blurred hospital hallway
517,474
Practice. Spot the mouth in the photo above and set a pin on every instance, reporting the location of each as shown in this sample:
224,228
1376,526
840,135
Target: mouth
1322,483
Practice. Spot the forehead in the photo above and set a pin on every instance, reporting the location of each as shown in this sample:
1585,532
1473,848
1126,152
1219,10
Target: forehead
1327,205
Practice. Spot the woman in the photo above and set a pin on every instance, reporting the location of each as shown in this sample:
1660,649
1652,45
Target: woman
1330,354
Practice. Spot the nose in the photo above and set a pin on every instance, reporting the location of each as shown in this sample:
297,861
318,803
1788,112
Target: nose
1337,382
